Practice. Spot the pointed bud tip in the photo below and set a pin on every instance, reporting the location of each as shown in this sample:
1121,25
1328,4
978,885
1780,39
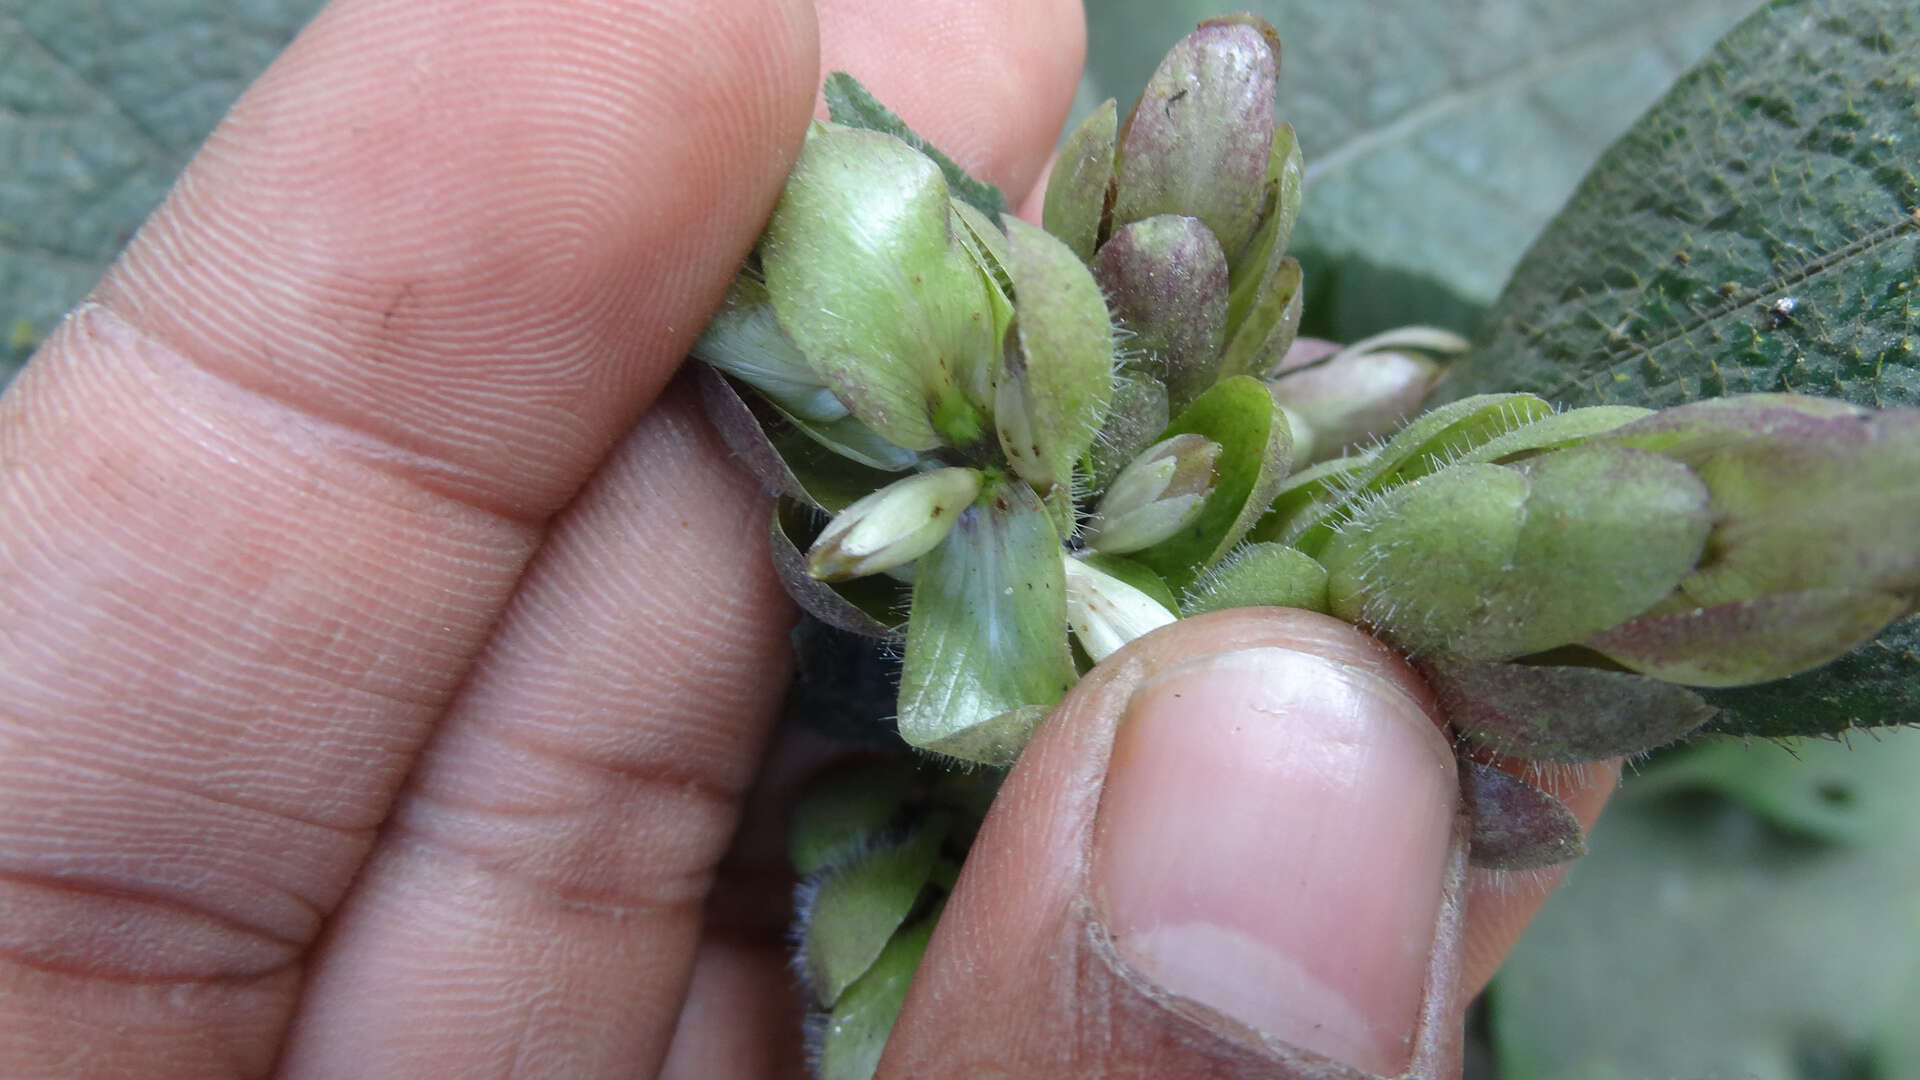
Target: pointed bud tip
1159,493
893,526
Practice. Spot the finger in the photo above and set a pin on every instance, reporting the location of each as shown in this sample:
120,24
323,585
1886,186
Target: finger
533,903
583,811
273,489
742,1017
1235,850
988,83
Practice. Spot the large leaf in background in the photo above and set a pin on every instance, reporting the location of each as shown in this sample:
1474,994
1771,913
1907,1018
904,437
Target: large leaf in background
1783,168
1439,135
1711,932
1756,231
100,105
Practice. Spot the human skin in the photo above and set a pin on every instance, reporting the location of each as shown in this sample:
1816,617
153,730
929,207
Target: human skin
387,646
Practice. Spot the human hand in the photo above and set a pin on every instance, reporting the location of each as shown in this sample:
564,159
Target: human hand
379,699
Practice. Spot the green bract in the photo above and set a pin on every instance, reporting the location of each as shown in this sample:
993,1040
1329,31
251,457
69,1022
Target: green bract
1035,444
1014,449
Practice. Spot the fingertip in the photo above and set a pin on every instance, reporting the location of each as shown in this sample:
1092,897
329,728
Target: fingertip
485,234
1238,846
987,81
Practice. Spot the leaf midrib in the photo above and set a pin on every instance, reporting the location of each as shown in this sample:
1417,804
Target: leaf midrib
1784,282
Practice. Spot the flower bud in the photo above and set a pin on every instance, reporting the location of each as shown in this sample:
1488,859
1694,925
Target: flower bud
895,525
1200,140
1354,399
1165,278
1156,496
1105,612
1416,564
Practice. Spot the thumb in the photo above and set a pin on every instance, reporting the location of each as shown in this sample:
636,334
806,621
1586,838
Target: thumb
1236,849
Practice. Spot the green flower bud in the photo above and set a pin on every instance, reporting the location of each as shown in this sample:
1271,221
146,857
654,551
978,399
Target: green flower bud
1608,532
1159,494
1417,563
1105,612
895,525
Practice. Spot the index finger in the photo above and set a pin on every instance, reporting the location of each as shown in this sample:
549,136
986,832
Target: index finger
269,490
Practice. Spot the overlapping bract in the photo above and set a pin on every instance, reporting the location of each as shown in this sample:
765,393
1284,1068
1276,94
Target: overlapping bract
1083,383
1038,444
1043,442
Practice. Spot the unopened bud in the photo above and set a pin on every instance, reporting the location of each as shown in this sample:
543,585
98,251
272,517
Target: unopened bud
893,526
1105,612
1363,392
1156,496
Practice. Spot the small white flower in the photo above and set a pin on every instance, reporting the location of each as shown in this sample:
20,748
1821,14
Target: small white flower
893,526
1105,612
1159,493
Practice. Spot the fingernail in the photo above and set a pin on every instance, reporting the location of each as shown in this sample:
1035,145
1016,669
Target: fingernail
1272,843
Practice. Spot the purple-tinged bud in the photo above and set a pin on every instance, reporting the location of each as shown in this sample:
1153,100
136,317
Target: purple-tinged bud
1200,140
1165,278
1354,399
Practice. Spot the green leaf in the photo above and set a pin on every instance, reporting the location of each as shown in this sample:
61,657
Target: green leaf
987,633
855,1032
1696,939
856,906
1077,190
845,809
1439,138
1256,447
101,105
850,104
1781,168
